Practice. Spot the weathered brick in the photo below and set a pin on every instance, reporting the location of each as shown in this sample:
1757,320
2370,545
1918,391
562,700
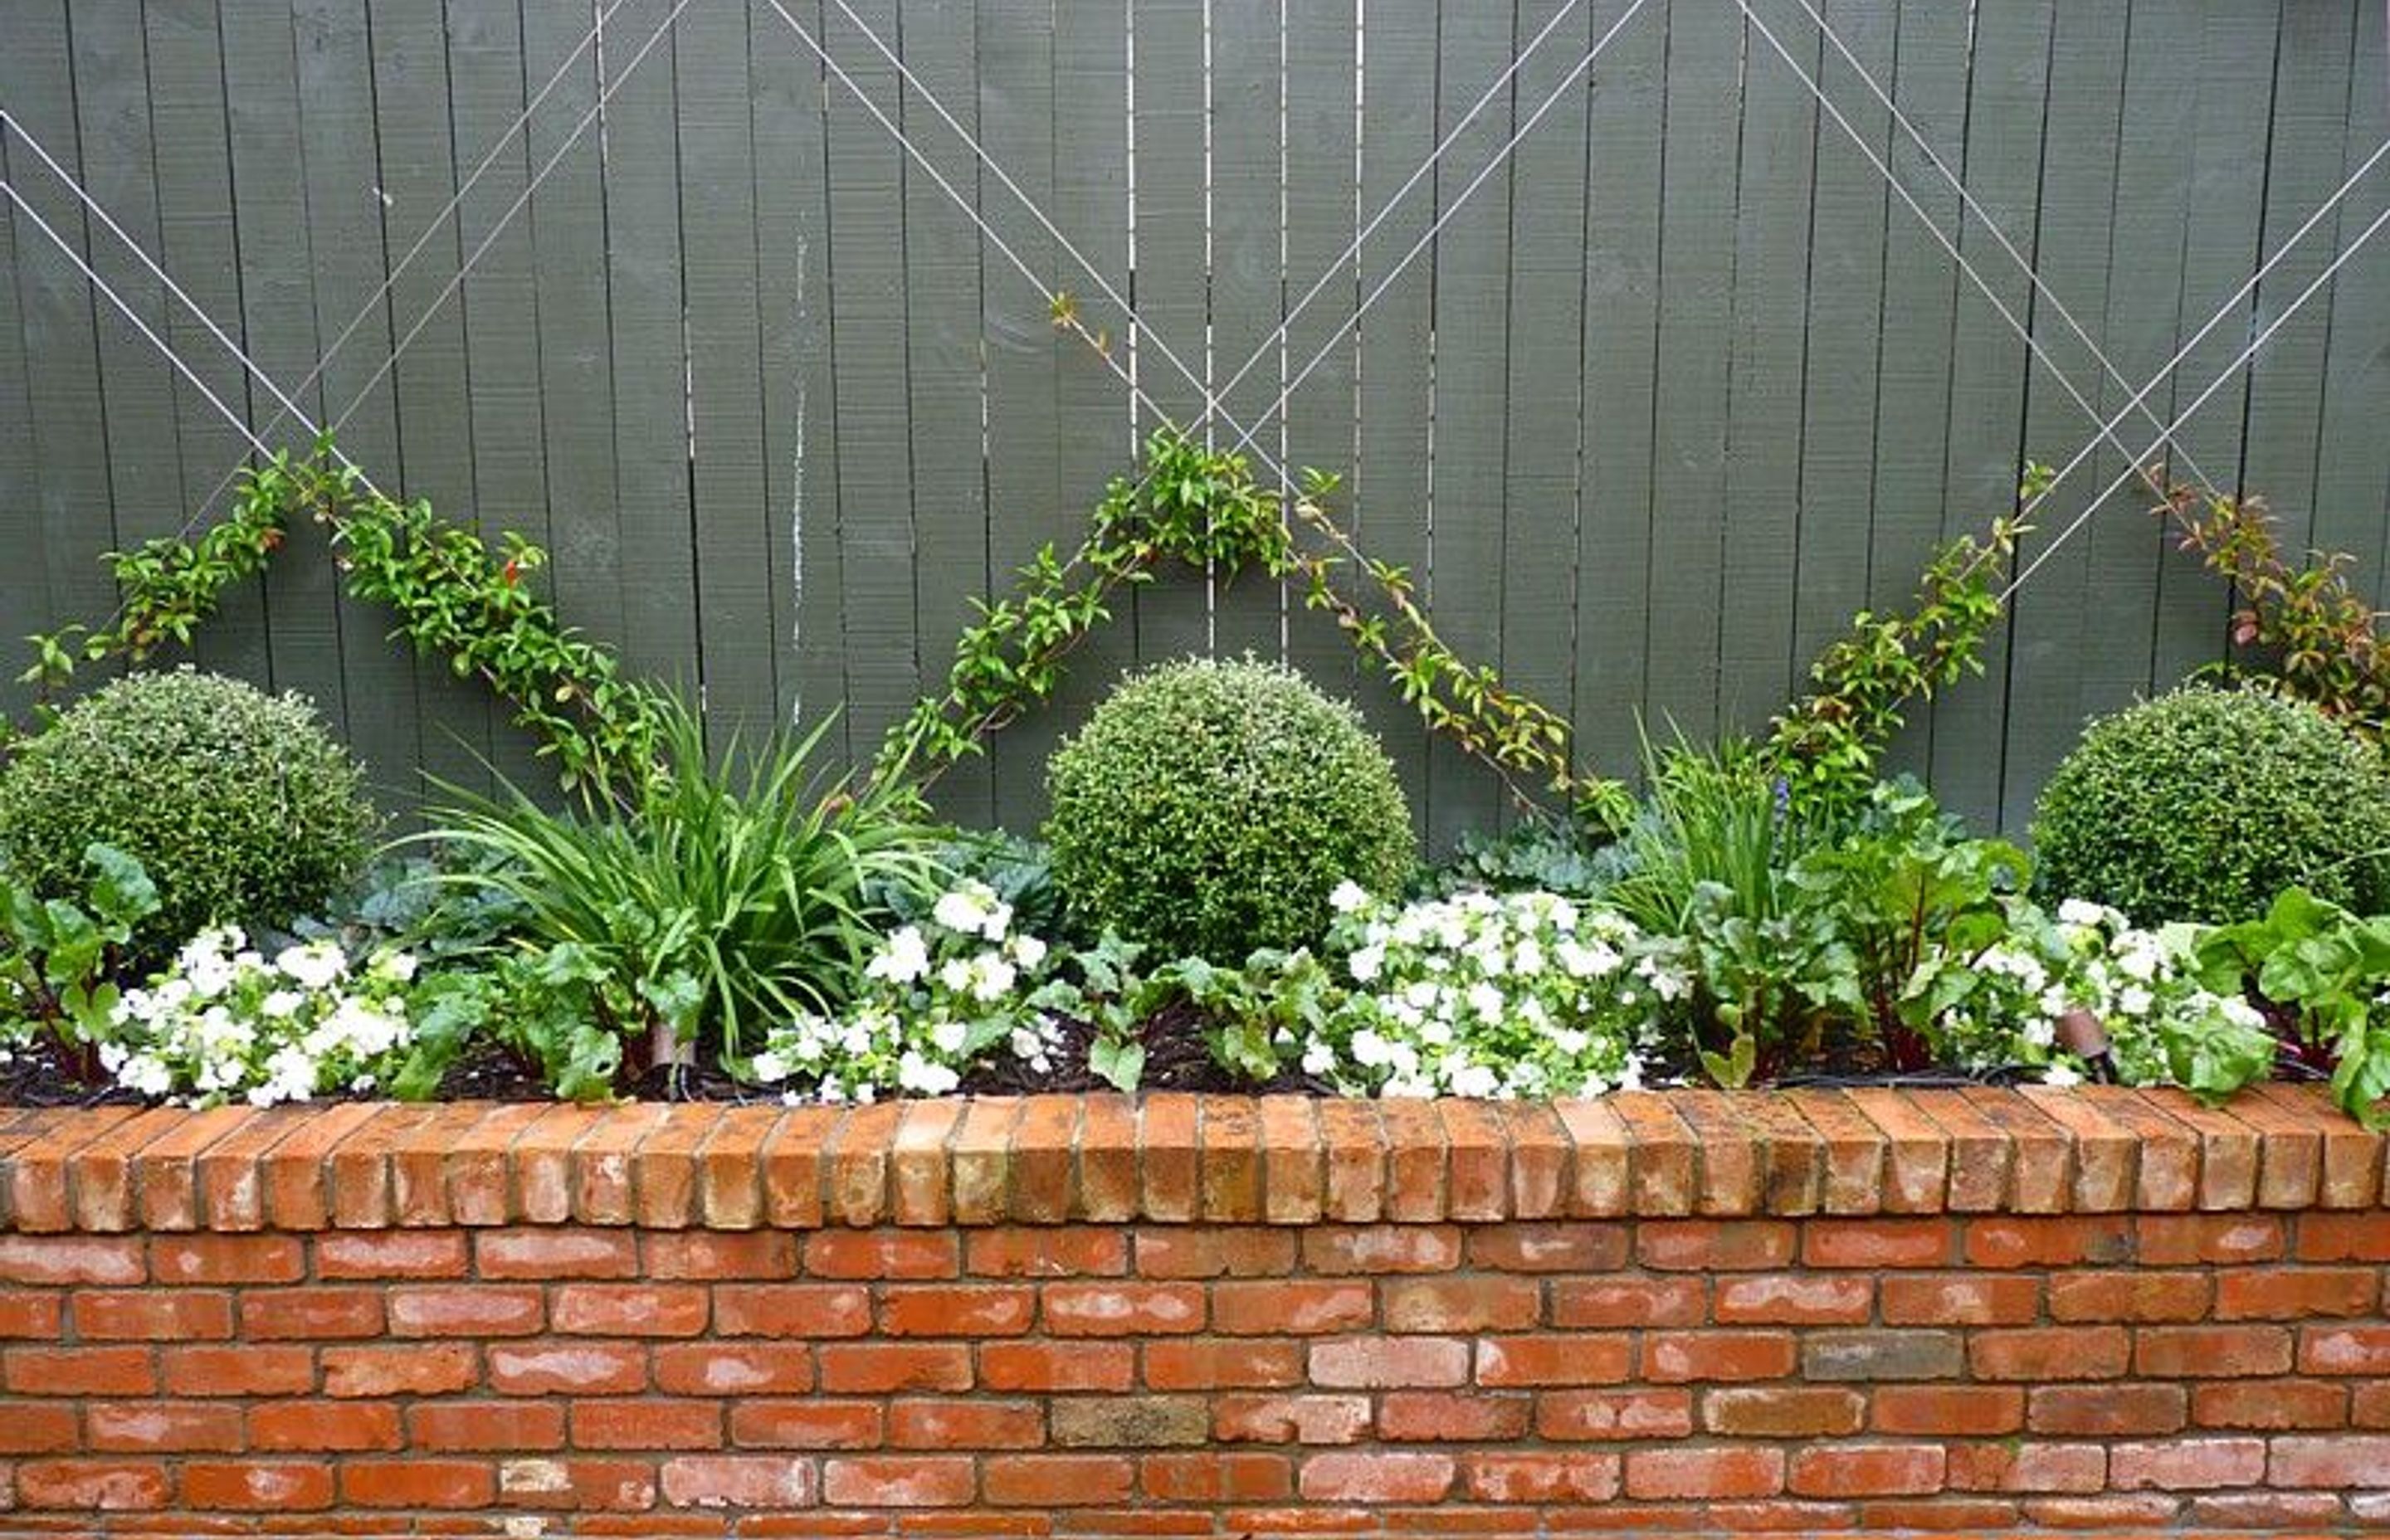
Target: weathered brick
2106,1411
1038,1367
815,1422
1959,1298
2290,1293
1881,1354
2271,1405
1299,1307
736,1480
1698,1473
1216,1250
325,1425
1295,1418
1698,1357
1242,1477
2015,1467
1471,1303
1783,1412
2051,1352
1556,1360
2180,1465
1629,1301
1390,1363
915,1481
1059,1481
2211,1352
1717,1245
1867,1470
1947,1410
1793,1299
733,1369
1121,1309
1447,1416
880,1368
93,1486
420,1368
1573,1415
2346,1460
2131,1295
1182,1365
921,1422
1128,1422
1376,1476
254,1486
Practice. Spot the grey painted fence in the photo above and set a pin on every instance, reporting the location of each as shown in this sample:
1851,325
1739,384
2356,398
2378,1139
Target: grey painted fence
1677,385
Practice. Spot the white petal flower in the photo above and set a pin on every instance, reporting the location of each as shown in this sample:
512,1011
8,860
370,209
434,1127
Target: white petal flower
903,957
1347,897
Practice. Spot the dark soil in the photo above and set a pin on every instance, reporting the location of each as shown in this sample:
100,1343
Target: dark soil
47,1073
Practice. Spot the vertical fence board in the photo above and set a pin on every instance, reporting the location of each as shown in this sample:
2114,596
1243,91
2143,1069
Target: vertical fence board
1545,364
69,517
878,546
1617,579
639,145
1846,291
2352,453
499,301
1390,483
23,590
1472,384
1920,297
566,226
190,147
1028,505
2072,238
2235,62
2145,314
731,518
1172,274
1322,419
278,325
1245,296
354,329
1775,193
2308,138
1696,300
116,167
430,384
1991,368
791,94
1096,425
944,318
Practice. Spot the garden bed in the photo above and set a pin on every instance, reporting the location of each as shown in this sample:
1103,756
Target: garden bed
1819,1311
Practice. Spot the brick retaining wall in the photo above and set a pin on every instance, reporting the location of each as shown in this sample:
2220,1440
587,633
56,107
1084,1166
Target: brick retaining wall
1673,1314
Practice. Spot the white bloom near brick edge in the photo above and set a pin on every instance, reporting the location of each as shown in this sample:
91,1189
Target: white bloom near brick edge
939,997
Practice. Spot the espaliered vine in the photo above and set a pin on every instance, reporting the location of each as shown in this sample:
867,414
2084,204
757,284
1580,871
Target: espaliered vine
453,595
2315,638
1825,744
1202,507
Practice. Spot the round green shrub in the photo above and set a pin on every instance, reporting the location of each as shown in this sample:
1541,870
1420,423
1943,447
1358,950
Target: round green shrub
1210,808
240,804
2202,804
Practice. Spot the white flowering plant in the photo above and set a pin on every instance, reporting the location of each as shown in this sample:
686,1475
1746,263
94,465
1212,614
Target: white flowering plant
1484,995
939,996
227,1022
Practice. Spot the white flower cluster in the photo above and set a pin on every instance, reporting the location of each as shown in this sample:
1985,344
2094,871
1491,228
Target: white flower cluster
2138,984
225,1021
937,998
1483,995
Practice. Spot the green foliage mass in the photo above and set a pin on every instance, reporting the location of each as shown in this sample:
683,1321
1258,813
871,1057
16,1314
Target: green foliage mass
238,805
1210,808
2202,804
736,890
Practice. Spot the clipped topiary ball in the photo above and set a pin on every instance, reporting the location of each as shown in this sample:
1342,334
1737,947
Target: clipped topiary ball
238,803
2205,803
1210,808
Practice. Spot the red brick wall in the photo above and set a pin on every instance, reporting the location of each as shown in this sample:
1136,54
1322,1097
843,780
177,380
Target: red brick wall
1684,1314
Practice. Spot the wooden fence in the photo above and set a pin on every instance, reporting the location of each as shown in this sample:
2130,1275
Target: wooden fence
1677,385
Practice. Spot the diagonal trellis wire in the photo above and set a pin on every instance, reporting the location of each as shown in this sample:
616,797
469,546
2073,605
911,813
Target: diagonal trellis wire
1966,198
2166,371
287,407
2201,399
1943,239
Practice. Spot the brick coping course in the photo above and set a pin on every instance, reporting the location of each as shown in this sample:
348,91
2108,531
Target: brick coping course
1181,1158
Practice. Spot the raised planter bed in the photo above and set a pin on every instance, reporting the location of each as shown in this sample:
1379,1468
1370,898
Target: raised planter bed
1700,1313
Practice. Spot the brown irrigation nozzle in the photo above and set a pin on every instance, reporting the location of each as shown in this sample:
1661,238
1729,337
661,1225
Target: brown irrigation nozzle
2081,1034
